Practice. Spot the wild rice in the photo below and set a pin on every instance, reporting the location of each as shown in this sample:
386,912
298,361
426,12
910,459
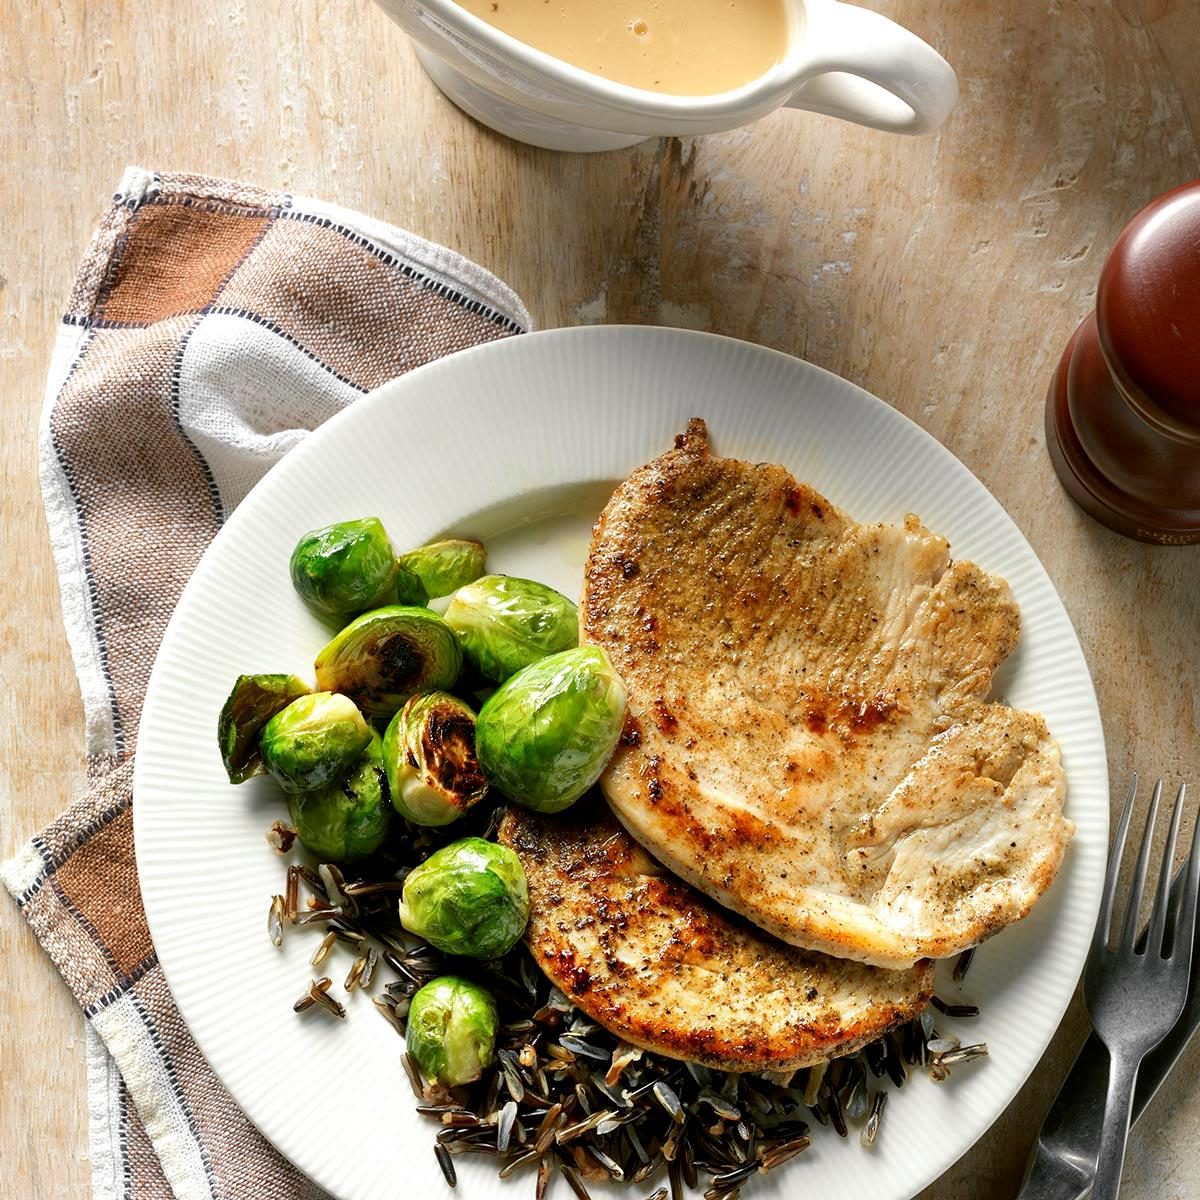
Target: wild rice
565,1095
955,1010
333,880
322,951
369,889
812,1086
962,964
871,1129
446,1163
369,969
291,893
314,915
355,973
517,1163
414,1076
324,1000
964,1054
670,1102
572,1178
275,921
504,1127
778,1155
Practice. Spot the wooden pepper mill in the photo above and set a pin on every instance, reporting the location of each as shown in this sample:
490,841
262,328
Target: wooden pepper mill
1123,413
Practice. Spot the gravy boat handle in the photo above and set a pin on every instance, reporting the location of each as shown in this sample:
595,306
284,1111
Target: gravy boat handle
869,70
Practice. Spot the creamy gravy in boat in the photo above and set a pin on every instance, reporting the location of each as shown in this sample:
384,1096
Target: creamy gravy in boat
682,47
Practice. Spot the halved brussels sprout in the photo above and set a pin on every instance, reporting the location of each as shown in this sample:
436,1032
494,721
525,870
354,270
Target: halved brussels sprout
505,623
254,700
546,735
314,741
451,1030
347,568
429,751
445,566
348,819
387,655
468,898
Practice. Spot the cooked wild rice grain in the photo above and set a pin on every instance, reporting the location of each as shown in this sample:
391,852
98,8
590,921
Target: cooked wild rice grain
871,1129
444,1161
504,1128
355,973
962,965
327,1002
572,1177
291,893
964,1054
322,951
955,1010
543,1178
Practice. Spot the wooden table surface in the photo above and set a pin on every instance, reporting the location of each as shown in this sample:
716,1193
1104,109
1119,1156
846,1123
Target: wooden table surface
943,274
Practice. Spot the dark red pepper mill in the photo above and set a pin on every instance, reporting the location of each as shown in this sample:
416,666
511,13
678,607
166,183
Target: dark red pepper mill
1123,413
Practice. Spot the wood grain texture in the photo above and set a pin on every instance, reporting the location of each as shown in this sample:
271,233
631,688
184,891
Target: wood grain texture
943,274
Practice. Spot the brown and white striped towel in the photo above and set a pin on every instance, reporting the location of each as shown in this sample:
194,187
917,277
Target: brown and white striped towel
212,325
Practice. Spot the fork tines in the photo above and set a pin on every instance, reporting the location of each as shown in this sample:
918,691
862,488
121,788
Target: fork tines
1173,917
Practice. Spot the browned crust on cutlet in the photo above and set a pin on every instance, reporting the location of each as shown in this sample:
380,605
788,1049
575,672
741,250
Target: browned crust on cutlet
665,969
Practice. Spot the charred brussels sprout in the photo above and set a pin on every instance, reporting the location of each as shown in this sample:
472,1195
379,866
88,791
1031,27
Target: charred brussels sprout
350,818
314,741
469,898
429,751
254,700
451,1030
387,655
546,735
505,623
347,568
443,567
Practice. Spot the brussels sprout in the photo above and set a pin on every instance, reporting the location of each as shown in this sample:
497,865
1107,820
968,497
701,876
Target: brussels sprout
451,1030
505,623
546,735
347,568
350,818
429,752
255,699
468,898
387,655
409,588
443,567
314,741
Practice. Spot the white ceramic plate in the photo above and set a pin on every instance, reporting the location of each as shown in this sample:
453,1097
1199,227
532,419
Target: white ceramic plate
519,443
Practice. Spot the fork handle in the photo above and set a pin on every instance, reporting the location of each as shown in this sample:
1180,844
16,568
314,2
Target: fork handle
1122,1079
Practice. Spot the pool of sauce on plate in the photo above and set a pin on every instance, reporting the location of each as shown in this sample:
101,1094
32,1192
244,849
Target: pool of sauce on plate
681,47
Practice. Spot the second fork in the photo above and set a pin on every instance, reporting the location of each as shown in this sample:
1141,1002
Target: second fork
1133,996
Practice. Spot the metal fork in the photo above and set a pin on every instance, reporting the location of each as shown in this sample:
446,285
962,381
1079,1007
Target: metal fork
1135,996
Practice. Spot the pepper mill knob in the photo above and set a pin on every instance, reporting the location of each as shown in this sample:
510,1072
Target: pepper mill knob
1123,413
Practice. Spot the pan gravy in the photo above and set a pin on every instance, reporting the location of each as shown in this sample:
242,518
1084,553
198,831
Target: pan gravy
682,47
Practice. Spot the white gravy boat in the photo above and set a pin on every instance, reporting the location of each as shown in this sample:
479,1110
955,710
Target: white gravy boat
840,60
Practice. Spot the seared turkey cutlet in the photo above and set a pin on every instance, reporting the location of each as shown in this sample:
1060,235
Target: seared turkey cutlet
663,967
809,739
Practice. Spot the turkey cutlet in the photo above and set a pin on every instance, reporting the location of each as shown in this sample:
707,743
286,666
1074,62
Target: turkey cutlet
809,739
663,967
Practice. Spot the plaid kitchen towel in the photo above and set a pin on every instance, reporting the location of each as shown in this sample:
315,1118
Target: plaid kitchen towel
212,325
